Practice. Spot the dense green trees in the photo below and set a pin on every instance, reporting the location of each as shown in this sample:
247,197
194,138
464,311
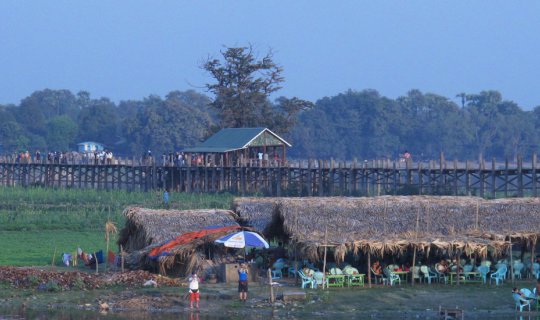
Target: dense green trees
352,124
366,125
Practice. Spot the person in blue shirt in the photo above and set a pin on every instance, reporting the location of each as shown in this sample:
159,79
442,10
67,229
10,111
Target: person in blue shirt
243,281
166,199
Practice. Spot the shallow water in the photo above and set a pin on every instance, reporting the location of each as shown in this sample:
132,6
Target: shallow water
65,314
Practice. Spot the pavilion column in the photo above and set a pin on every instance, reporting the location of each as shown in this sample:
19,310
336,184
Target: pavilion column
413,264
369,268
533,250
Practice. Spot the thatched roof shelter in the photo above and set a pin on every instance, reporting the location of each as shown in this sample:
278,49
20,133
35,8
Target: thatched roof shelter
148,228
391,224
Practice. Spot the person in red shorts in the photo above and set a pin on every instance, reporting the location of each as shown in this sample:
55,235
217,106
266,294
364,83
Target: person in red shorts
194,294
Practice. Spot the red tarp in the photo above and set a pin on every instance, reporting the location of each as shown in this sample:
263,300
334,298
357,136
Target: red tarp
164,249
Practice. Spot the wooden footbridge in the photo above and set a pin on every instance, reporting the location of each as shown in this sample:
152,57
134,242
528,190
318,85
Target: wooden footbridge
307,178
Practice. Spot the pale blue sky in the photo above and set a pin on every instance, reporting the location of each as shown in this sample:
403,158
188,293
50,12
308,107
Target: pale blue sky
131,49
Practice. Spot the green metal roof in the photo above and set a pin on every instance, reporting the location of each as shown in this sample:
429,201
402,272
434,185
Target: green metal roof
230,139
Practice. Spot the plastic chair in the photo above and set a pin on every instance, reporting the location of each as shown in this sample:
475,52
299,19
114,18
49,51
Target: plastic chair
349,270
276,270
428,274
336,271
518,266
498,275
440,275
416,273
392,277
378,277
536,270
484,270
306,280
521,302
291,271
318,279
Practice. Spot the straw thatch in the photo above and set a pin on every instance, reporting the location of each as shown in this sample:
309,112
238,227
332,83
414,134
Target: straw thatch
391,224
148,228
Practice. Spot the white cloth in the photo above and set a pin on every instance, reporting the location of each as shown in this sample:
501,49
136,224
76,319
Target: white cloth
194,283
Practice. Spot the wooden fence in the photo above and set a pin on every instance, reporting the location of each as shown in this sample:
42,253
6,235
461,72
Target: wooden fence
301,178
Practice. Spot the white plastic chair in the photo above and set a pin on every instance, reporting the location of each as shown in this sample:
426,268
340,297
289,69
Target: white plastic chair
498,275
428,274
392,277
318,279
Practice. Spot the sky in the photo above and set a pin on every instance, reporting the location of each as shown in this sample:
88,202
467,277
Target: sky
132,49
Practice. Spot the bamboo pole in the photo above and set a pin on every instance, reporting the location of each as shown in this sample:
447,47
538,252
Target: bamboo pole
511,262
270,284
458,261
53,258
369,267
533,249
122,257
413,264
325,249
97,262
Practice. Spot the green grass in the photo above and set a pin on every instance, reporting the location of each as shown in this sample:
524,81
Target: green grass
30,248
35,221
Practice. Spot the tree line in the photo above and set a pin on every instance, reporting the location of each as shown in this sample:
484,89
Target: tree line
353,124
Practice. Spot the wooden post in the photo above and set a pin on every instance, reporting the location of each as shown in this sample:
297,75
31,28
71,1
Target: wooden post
122,258
533,174
97,262
493,178
369,268
413,264
511,262
270,284
520,176
533,250
458,260
53,258
324,261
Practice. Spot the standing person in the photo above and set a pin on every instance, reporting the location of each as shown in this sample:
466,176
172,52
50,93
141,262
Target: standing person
243,281
166,199
194,294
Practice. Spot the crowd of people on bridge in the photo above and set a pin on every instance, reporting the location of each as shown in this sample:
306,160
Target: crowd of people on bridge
103,157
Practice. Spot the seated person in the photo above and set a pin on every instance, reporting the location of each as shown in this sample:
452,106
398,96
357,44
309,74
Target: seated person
307,271
377,268
443,266
521,294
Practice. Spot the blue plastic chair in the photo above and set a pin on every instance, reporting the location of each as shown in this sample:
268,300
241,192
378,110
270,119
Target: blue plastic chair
305,280
276,270
498,275
521,302
484,270
536,270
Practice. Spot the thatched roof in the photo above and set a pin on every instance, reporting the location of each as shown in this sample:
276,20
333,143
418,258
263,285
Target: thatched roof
390,223
148,228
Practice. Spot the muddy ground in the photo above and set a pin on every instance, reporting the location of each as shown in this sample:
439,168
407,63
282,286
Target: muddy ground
130,300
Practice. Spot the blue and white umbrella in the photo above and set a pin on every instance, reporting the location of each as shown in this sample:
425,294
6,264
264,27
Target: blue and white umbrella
243,239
